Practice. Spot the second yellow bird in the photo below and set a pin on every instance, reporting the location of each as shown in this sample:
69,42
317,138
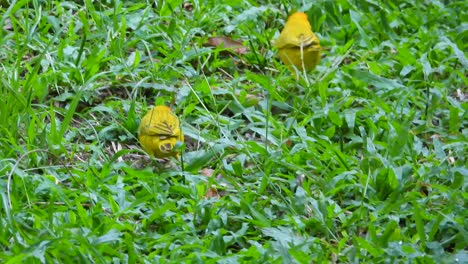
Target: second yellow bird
159,132
298,46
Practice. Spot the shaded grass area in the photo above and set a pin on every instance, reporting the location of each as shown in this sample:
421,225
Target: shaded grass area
364,162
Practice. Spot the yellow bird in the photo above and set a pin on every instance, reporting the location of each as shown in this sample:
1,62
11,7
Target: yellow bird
298,46
159,132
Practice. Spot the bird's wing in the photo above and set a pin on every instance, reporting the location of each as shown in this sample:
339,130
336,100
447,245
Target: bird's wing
162,128
304,41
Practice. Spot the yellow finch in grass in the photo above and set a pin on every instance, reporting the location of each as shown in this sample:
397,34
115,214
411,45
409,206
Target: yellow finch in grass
298,46
159,132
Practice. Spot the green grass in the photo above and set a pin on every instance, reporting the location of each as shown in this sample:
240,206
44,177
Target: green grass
364,163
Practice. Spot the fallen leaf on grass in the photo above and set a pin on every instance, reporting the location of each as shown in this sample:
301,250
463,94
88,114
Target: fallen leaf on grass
212,192
227,43
187,6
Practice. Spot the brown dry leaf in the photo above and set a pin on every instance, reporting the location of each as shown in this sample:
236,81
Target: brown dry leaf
228,43
212,192
206,172
187,6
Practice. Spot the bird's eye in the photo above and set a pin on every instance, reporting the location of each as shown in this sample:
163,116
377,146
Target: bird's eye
166,147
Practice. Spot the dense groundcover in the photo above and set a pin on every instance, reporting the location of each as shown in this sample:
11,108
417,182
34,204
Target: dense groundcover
363,160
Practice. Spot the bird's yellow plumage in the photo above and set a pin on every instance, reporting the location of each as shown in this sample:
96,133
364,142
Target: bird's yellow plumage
159,132
298,46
